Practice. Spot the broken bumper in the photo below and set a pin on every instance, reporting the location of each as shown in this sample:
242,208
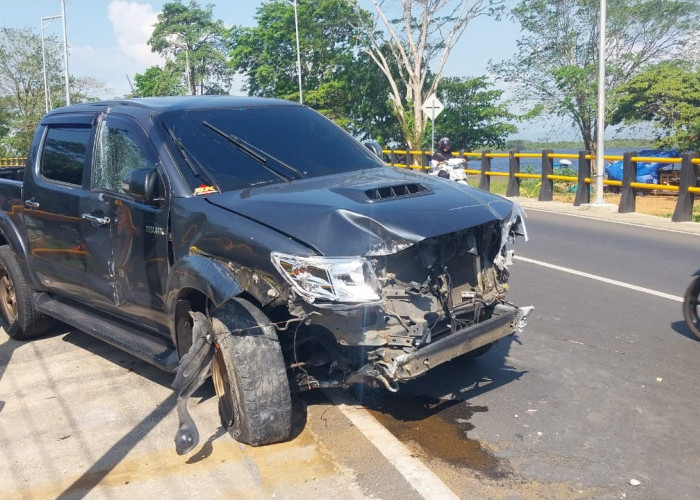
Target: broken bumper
506,320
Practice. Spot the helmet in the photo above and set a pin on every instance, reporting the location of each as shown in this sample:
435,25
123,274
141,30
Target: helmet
444,143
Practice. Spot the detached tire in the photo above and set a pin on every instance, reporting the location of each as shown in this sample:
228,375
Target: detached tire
17,316
249,375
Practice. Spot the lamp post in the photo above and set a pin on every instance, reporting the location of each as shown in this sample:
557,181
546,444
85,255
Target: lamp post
65,51
296,29
43,61
600,143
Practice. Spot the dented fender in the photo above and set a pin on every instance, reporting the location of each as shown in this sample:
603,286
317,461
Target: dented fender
204,274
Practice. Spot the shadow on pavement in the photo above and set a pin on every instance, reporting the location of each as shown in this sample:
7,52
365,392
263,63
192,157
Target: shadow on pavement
681,328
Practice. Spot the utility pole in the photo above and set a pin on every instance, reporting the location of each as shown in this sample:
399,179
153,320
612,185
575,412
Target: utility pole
600,143
47,94
65,51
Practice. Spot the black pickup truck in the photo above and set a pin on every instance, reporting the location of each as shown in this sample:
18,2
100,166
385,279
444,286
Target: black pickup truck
307,261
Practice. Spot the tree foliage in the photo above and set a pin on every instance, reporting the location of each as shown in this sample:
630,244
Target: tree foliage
667,94
556,64
417,35
157,81
192,41
337,79
473,118
22,97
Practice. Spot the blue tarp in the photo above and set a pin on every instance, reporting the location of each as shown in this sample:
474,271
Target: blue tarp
647,172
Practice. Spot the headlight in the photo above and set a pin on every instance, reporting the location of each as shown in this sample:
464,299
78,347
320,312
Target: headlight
349,280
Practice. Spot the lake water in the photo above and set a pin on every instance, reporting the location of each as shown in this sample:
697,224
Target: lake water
501,164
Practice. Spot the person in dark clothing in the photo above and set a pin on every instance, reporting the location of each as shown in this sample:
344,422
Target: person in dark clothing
444,150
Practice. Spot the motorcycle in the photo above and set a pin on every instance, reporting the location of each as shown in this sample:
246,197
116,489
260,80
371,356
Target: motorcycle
691,305
452,169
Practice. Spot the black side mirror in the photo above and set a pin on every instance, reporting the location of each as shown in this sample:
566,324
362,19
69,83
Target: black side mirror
142,184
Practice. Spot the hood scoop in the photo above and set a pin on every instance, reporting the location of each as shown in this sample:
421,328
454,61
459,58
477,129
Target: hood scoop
397,191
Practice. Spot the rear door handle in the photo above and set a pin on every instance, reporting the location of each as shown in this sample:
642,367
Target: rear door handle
95,220
31,204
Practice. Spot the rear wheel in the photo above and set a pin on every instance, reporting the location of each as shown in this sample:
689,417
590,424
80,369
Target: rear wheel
249,375
691,306
17,316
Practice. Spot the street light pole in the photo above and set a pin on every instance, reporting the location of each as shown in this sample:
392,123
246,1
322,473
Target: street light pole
296,29
65,51
600,143
47,97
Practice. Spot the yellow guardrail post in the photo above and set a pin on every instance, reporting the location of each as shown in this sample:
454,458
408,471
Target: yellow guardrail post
485,179
583,192
689,178
513,168
547,184
628,195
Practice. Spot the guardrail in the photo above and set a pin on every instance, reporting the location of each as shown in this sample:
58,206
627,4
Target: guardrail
687,188
12,162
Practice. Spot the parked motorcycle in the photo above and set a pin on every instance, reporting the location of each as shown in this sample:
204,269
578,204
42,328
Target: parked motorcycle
452,169
691,305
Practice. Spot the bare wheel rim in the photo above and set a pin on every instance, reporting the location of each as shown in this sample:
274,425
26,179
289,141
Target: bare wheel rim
8,299
222,386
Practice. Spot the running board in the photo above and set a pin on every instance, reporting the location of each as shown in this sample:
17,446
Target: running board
140,343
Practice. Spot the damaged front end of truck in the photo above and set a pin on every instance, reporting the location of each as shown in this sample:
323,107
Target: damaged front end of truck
406,306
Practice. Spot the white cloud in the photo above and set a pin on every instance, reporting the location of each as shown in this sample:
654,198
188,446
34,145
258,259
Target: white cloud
132,23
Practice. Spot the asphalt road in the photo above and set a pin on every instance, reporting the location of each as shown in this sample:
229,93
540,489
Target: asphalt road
600,391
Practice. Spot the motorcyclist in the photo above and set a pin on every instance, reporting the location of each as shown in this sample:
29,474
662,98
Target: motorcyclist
444,150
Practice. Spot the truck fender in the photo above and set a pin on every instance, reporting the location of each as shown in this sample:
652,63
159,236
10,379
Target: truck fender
204,274
9,233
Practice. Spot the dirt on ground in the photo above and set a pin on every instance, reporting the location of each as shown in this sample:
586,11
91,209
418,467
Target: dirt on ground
651,204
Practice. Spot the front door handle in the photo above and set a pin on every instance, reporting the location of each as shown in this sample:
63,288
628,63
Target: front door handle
31,204
95,220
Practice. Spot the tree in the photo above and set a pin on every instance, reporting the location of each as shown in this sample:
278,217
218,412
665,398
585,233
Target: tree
667,94
338,80
413,49
190,39
472,117
157,81
556,65
22,85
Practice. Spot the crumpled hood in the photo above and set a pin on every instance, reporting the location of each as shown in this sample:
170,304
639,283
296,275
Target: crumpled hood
371,212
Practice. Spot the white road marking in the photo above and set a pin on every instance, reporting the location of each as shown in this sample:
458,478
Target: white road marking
423,480
601,278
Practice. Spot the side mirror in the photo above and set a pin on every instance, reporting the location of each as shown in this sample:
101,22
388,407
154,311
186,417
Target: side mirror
142,184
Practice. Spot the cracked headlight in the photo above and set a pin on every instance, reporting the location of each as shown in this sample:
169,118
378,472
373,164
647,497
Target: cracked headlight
349,280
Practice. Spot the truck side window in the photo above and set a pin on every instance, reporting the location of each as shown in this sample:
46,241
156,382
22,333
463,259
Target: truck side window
65,150
120,147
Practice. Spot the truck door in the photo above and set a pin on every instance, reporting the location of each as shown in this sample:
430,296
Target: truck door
127,240
52,198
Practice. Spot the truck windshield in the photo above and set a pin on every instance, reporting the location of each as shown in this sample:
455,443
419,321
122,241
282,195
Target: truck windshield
252,146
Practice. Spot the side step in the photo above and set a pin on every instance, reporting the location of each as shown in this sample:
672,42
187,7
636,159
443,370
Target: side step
140,343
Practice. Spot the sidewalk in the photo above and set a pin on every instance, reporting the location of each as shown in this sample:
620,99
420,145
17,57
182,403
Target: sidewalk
608,212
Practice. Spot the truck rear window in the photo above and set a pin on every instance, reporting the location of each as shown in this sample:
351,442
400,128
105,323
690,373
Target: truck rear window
305,143
64,153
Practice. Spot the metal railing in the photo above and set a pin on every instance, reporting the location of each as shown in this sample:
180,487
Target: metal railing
12,162
686,189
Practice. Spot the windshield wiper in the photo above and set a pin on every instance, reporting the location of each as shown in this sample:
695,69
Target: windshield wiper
191,160
255,153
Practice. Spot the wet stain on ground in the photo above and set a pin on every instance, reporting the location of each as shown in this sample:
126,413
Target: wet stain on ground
438,427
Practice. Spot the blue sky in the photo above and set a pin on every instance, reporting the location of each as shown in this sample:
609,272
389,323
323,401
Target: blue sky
107,38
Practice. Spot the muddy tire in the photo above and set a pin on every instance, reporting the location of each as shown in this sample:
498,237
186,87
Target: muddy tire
691,306
249,376
17,316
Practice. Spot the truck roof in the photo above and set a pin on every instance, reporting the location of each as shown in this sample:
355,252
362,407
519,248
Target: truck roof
175,103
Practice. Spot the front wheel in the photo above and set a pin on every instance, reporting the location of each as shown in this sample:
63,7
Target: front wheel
17,316
691,306
249,375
